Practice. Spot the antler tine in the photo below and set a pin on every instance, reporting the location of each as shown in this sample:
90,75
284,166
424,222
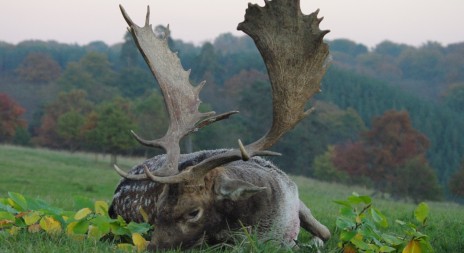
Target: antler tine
181,98
296,58
126,16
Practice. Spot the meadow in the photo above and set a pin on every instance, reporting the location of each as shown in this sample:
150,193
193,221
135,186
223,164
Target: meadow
58,176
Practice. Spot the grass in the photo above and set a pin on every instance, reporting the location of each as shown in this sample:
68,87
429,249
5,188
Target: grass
58,176
41,242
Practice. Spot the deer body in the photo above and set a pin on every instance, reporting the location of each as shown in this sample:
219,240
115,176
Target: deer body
221,212
203,196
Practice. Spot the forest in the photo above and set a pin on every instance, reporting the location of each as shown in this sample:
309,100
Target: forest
388,117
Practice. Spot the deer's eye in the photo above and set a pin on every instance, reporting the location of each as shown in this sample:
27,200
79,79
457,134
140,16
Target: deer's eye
193,215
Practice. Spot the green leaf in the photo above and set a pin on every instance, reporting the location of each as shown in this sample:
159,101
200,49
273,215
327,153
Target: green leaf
7,216
354,199
386,248
19,200
372,234
96,233
81,227
425,246
343,203
36,204
366,199
346,236
117,229
392,240
77,227
102,222
344,223
140,228
347,212
379,218
421,212
7,207
359,243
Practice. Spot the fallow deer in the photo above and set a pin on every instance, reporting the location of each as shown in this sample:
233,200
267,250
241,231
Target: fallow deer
203,196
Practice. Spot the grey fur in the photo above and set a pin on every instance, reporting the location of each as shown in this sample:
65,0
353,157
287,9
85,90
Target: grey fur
276,211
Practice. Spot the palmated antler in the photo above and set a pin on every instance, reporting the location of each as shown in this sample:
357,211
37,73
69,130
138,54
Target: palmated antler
296,58
181,98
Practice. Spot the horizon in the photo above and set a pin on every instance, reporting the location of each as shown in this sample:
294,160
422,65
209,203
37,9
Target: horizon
413,23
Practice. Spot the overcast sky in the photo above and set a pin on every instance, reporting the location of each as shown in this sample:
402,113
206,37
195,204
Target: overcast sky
369,22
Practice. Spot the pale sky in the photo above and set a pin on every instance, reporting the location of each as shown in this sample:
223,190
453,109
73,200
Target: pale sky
369,22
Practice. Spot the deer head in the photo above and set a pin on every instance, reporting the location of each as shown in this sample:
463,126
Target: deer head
296,58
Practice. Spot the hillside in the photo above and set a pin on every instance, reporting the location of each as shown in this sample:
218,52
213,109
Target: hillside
57,177
79,82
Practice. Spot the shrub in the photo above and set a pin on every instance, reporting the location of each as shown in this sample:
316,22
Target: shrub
361,229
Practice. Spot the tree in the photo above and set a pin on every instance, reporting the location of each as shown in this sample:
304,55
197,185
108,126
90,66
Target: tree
93,74
150,116
129,55
424,63
393,140
390,154
234,87
454,97
417,180
10,118
69,127
324,169
351,158
207,61
370,98
134,81
66,108
113,124
390,48
348,47
39,68
456,182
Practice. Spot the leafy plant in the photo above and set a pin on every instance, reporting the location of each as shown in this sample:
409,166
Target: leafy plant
362,229
19,213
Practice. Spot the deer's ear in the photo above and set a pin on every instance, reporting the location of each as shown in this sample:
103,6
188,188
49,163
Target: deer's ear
235,189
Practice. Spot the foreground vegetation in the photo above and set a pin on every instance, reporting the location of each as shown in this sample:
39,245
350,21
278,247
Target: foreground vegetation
57,177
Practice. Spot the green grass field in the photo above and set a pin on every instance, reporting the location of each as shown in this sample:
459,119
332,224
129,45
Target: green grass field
57,177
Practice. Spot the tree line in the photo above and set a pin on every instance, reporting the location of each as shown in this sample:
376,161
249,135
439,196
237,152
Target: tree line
90,97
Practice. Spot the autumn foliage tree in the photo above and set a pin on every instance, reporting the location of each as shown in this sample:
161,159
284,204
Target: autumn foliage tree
392,156
62,120
10,118
39,68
